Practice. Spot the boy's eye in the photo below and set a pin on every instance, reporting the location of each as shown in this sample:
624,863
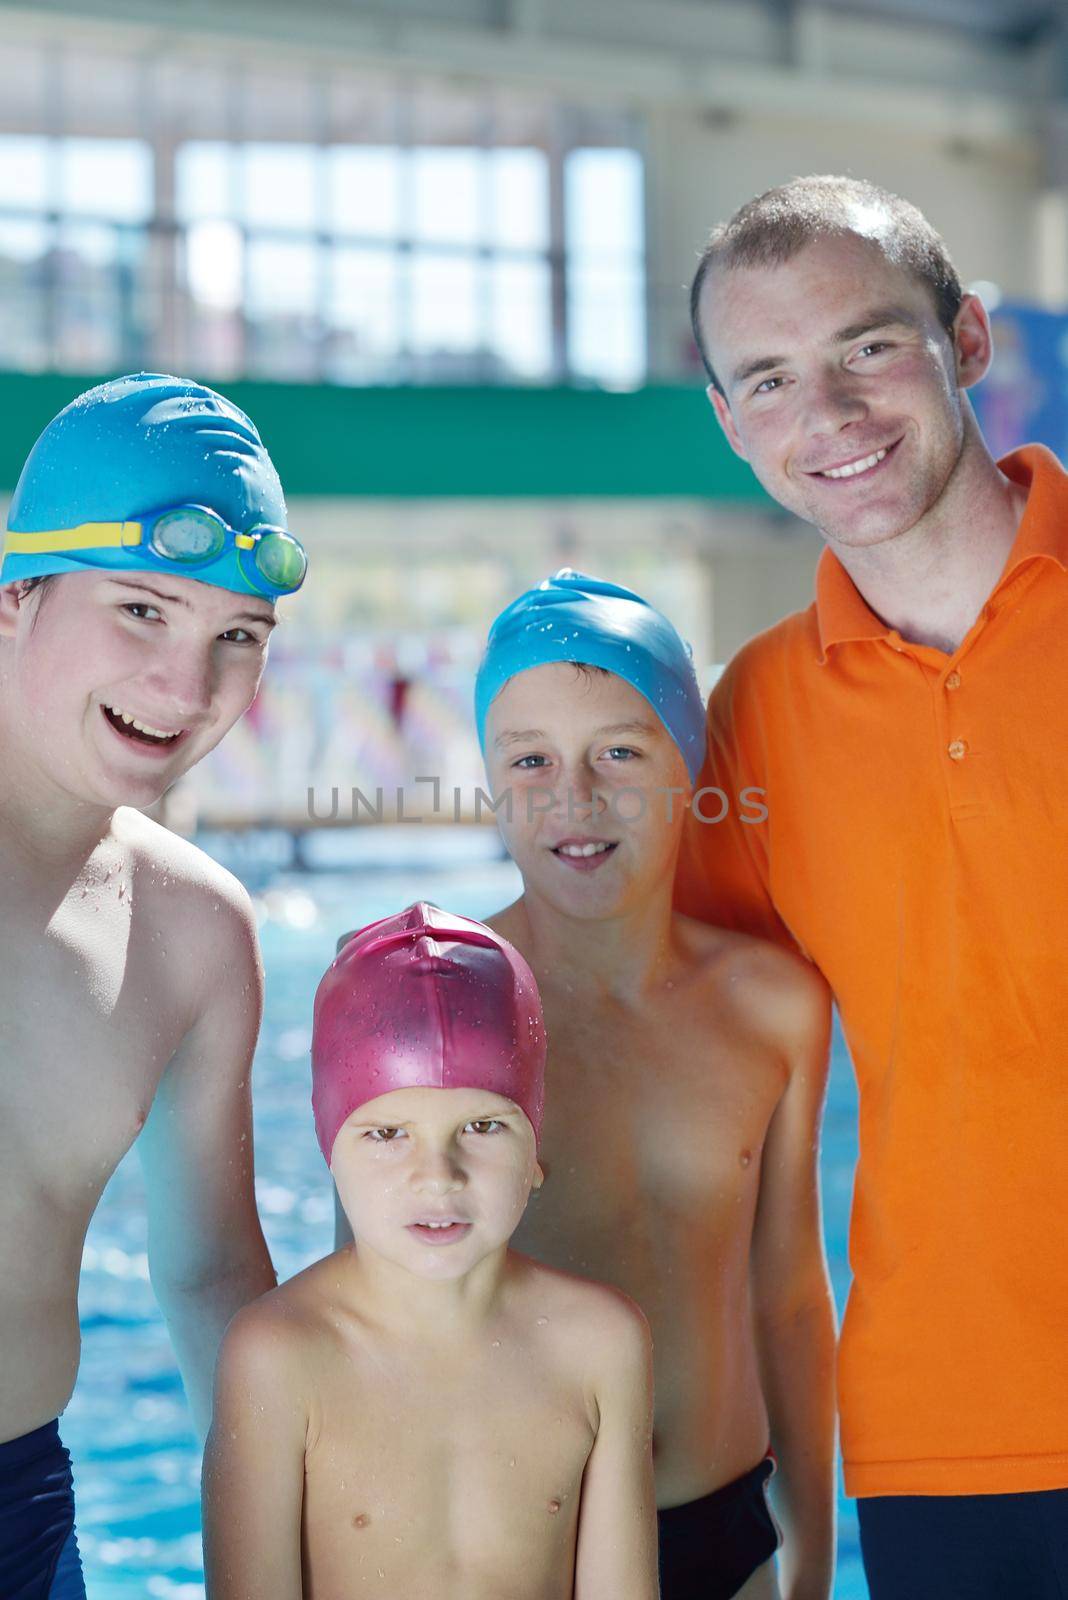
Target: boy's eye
768,386
620,752
384,1135
484,1125
530,763
873,349
241,636
140,609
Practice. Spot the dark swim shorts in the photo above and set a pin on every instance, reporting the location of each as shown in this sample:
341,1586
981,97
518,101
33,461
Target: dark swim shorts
38,1550
966,1547
710,1547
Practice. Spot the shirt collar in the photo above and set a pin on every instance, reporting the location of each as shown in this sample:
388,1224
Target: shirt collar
844,616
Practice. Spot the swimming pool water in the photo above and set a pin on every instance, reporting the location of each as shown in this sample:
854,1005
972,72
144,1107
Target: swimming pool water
136,1464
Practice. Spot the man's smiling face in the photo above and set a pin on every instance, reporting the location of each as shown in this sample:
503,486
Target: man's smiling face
842,387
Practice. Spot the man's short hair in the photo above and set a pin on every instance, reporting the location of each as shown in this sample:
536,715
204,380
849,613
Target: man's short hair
777,225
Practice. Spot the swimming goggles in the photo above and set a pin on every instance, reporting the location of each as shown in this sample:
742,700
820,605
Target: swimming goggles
193,540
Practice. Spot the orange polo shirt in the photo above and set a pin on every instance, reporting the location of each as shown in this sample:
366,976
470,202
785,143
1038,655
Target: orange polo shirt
916,849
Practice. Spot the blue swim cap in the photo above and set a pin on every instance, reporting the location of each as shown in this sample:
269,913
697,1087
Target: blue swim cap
571,617
134,446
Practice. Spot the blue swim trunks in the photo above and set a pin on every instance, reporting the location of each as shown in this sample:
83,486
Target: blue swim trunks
38,1549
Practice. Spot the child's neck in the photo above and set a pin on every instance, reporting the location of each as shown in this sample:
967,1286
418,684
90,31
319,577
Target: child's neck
42,823
415,1308
622,956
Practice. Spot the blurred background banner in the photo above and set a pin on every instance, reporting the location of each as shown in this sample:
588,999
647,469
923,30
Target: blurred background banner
440,251
1025,395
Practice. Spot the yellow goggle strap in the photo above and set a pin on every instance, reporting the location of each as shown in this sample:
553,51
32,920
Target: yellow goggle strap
86,536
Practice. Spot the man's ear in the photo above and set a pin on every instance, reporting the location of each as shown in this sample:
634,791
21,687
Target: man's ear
726,421
12,601
973,345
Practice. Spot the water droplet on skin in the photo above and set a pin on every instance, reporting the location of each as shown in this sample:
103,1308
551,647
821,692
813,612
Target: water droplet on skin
361,1520
554,1506
496,1344
542,1321
511,1461
745,1158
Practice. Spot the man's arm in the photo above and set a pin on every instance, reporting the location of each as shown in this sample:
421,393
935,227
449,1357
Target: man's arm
617,1517
207,1255
253,1481
793,1309
723,873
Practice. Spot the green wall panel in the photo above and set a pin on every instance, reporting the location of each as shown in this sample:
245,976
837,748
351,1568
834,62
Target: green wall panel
450,442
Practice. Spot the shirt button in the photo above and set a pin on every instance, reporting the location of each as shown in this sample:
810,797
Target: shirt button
953,680
958,750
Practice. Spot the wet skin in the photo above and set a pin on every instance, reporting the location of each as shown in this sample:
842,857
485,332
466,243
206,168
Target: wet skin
672,1047
128,965
432,1418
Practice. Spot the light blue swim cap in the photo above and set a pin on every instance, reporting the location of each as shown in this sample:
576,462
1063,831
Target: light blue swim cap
571,617
134,446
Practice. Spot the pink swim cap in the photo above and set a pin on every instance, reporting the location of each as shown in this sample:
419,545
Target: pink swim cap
425,999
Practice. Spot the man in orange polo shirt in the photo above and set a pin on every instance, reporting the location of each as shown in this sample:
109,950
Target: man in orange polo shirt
911,732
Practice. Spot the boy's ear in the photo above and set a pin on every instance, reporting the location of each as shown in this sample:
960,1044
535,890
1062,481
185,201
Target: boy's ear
539,1177
12,601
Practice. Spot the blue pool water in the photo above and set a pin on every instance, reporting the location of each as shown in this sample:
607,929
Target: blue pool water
135,1459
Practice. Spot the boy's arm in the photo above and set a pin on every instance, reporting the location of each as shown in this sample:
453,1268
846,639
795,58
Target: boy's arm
617,1516
793,1308
253,1483
206,1251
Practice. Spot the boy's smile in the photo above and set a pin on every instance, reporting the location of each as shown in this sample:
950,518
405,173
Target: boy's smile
583,853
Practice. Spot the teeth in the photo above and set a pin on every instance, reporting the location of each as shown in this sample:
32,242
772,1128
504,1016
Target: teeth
435,1224
142,727
584,849
855,466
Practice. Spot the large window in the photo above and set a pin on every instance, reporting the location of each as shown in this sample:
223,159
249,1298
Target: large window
343,230
73,216
365,263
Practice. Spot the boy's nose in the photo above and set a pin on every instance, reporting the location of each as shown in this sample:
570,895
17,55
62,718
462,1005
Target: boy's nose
438,1173
579,793
187,678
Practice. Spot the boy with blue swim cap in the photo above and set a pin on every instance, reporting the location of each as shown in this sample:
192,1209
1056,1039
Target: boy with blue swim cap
685,1081
145,549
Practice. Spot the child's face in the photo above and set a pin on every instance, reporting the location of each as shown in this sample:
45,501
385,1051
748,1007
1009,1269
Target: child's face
90,649
588,762
435,1180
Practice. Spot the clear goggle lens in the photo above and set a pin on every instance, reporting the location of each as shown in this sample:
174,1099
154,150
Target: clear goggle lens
192,537
188,535
280,559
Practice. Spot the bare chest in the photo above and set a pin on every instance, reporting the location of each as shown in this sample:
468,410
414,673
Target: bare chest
88,1021
660,1116
469,1476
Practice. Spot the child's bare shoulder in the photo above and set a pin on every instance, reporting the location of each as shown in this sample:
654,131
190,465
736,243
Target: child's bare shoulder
183,883
586,1320
774,991
276,1335
175,863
